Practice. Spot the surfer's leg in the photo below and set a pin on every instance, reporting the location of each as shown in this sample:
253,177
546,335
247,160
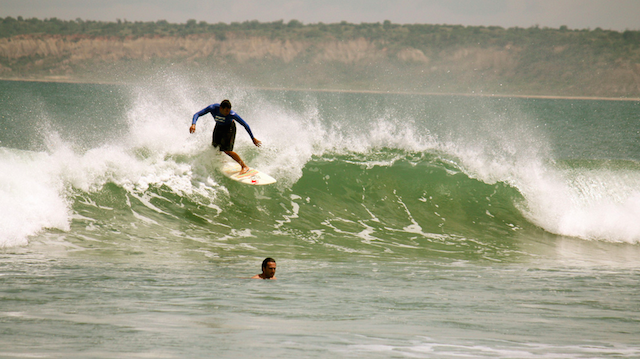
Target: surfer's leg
227,147
225,141
239,160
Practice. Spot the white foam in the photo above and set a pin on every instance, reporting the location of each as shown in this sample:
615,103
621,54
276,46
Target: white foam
31,194
593,204
158,149
36,187
590,204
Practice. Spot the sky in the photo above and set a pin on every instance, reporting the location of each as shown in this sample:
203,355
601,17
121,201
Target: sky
616,15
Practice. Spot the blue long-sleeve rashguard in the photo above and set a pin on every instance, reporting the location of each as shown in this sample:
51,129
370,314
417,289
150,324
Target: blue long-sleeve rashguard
214,110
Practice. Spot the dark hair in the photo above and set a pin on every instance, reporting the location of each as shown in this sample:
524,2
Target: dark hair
266,261
225,104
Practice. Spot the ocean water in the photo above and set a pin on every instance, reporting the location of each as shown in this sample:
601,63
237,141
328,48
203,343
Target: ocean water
403,225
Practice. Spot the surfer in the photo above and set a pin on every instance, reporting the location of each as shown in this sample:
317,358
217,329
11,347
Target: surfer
268,269
224,133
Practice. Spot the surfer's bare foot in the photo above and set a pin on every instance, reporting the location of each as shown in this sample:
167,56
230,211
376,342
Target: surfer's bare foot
244,170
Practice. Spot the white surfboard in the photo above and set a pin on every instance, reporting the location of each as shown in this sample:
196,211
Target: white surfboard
253,177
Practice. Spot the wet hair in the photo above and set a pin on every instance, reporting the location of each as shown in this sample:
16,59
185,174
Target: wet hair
225,104
267,261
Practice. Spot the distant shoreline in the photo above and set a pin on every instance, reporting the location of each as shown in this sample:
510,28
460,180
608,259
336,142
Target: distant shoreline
545,97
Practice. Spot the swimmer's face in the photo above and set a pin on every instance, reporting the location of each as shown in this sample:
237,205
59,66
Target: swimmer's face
225,111
270,270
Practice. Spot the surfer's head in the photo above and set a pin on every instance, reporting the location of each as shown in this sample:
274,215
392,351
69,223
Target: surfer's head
268,268
225,107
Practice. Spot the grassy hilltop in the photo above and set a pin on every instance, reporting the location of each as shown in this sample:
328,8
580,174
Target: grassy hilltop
344,56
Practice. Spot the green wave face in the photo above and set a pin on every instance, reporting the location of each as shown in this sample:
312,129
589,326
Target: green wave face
412,205
364,174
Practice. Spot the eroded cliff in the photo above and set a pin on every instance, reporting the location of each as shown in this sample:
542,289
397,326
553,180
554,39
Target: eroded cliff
339,64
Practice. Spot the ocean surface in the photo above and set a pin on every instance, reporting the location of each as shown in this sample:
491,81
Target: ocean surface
403,225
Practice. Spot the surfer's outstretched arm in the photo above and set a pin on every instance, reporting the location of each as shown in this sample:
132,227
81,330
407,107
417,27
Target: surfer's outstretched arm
197,115
244,124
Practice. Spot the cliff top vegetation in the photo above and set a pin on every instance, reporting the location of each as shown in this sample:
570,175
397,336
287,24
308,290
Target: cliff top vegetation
617,44
425,57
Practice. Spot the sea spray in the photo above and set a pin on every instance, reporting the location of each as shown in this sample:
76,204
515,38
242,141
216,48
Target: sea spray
407,167
32,196
601,203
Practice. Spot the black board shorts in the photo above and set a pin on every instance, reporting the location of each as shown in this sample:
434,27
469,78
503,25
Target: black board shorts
224,136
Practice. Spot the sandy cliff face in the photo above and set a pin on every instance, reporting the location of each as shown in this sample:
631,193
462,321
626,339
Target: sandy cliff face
78,49
456,68
107,49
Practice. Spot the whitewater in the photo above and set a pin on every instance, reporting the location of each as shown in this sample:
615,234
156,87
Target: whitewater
404,225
